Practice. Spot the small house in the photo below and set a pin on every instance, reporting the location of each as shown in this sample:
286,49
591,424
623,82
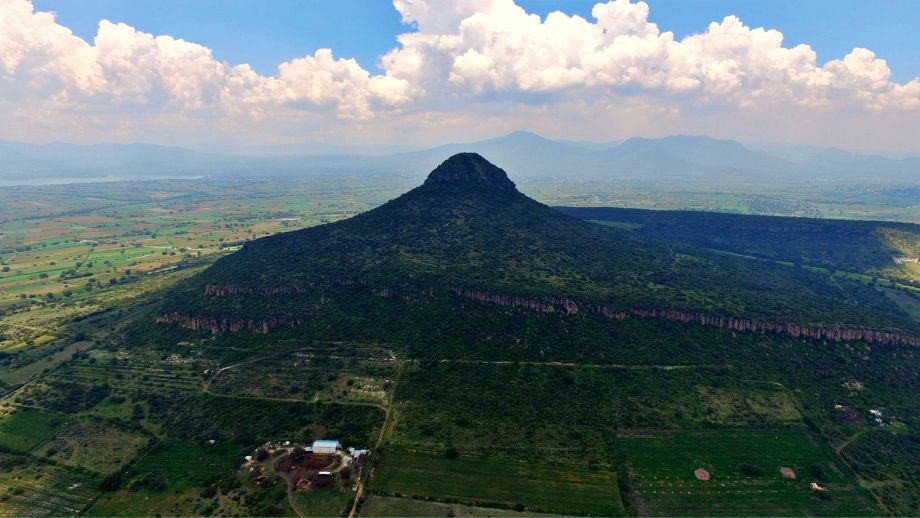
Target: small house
326,447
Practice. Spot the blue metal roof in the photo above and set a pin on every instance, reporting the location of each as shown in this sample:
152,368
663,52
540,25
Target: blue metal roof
326,443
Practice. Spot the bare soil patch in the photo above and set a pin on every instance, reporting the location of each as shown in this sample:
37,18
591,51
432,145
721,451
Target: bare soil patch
701,474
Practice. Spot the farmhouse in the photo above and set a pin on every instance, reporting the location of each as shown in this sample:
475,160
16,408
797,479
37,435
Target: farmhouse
325,447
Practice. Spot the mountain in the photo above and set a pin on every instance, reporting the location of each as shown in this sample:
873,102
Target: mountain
467,232
63,160
674,159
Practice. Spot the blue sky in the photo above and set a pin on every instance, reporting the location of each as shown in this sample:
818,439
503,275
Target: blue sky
266,33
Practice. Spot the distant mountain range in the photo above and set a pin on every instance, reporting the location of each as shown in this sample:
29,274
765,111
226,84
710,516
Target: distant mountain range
525,155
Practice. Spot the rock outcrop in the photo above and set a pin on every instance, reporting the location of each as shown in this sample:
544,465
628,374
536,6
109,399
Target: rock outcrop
215,324
223,290
545,305
834,333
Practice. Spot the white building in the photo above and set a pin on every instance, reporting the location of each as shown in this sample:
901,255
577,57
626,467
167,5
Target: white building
325,447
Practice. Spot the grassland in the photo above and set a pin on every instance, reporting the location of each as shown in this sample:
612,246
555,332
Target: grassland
491,483
23,430
311,374
662,465
92,446
323,502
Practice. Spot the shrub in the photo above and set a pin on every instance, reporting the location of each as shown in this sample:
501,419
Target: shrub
752,470
819,473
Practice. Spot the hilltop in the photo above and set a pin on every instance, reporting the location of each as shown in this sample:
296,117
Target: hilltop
468,232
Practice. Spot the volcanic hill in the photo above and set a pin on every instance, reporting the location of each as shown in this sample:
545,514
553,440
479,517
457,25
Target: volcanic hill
466,244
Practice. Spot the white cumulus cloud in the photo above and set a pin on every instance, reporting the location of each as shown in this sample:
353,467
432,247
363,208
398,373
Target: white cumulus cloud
460,56
124,67
496,46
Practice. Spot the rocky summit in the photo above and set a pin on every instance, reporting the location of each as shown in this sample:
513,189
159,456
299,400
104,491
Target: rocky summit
471,169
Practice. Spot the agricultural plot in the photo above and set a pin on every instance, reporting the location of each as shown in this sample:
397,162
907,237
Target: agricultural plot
28,488
726,406
394,506
888,463
323,502
69,249
183,463
354,375
148,375
43,362
168,479
23,430
740,473
98,448
526,412
491,483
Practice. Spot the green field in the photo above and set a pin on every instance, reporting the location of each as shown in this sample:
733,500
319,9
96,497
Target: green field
183,464
662,465
323,502
167,479
29,489
394,506
102,449
26,429
516,486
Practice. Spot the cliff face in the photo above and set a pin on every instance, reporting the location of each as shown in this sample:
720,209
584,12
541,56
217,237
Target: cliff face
215,324
546,305
224,290
835,333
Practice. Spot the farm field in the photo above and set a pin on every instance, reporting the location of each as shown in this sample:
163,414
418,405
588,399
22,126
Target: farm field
395,506
23,430
484,482
75,247
663,464
323,502
311,374
888,461
167,479
98,448
30,488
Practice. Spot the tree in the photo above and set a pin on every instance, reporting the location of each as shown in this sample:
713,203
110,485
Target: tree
137,412
298,453
752,470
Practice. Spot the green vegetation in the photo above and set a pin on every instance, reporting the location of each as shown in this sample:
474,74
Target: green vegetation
25,429
472,402
516,486
29,487
663,482
393,506
471,235
865,248
889,463
101,449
